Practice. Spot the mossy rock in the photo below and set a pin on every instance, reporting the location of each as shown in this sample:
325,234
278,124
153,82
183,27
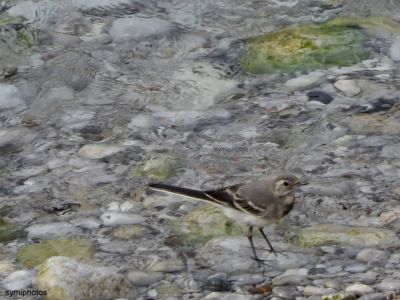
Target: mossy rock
167,290
130,231
158,167
9,232
207,222
332,234
305,48
35,254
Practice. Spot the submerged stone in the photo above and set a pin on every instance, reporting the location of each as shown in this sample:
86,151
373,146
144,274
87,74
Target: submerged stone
331,234
305,48
208,222
35,254
158,167
65,279
9,232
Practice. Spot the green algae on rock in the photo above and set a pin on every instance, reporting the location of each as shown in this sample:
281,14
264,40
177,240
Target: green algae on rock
65,278
35,254
158,167
207,222
9,232
304,48
331,234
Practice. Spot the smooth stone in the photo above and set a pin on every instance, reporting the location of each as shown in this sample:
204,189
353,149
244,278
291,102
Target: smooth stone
291,276
86,223
368,278
51,230
6,267
19,280
389,285
167,266
373,257
390,151
133,27
35,254
328,234
115,218
356,268
359,289
319,96
30,172
97,151
394,51
229,296
67,279
118,246
306,81
285,292
348,87
140,278
314,290
167,290
374,296
10,97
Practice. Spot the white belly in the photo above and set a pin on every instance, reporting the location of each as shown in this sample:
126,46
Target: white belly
245,218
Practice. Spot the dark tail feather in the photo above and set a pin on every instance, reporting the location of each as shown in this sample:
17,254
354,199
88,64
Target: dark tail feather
181,191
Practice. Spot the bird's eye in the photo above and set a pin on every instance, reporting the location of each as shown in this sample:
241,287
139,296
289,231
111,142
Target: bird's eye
285,183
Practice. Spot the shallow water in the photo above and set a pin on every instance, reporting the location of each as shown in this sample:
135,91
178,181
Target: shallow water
153,79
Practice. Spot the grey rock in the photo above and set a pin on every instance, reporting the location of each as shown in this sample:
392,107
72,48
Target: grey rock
10,97
140,278
291,276
18,280
356,268
314,290
349,87
77,280
115,218
390,151
97,151
285,292
373,257
389,285
359,289
374,296
51,230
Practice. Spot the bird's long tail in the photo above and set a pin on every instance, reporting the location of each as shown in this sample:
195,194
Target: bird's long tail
181,191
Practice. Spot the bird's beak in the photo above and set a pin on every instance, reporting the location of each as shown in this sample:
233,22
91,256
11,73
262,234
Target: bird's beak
301,182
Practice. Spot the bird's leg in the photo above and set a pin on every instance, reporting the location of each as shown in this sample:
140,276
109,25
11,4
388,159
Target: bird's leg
250,237
269,244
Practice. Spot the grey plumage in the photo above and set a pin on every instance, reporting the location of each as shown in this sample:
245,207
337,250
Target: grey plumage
255,203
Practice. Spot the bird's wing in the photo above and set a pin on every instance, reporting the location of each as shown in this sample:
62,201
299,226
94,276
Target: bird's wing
230,197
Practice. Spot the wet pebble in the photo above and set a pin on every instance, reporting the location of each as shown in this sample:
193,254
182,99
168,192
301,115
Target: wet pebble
51,230
348,87
140,278
389,285
373,257
19,280
359,289
115,218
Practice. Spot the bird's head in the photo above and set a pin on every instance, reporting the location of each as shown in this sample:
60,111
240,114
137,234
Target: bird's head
286,184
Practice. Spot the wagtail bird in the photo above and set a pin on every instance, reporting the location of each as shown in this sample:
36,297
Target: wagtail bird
256,204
